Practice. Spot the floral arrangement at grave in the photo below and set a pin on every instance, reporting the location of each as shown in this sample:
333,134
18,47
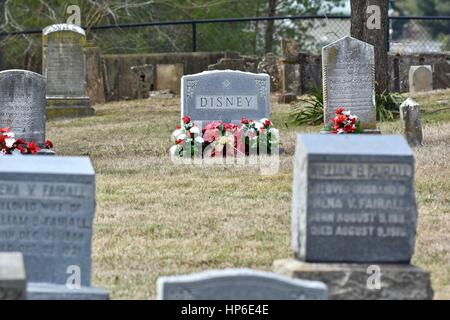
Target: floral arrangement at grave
344,122
224,139
10,145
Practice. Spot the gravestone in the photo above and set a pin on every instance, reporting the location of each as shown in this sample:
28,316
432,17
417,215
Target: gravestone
225,95
410,114
353,199
64,67
22,104
354,217
348,80
47,209
238,284
168,76
13,282
420,79
289,71
142,81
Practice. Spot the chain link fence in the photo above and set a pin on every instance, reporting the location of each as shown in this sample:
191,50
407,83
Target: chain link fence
408,35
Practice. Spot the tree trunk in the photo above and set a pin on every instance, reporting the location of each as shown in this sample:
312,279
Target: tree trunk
272,10
2,21
377,37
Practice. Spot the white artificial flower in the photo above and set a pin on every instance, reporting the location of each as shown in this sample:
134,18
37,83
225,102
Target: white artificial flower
199,140
273,131
195,130
181,136
174,151
9,142
176,133
346,113
258,125
9,134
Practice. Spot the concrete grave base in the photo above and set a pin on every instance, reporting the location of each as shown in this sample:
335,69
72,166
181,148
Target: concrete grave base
349,281
47,291
68,107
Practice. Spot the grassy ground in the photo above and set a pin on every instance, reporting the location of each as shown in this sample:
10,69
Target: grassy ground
154,218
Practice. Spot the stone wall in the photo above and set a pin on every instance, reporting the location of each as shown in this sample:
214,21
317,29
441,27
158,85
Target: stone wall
117,73
110,77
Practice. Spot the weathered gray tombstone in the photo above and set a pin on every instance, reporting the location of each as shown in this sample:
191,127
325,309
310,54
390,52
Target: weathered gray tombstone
225,95
354,214
238,284
64,67
410,114
13,282
420,79
168,77
22,104
47,209
142,81
348,67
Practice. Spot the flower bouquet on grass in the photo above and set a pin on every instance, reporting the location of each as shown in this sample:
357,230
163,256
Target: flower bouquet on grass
344,122
224,139
10,145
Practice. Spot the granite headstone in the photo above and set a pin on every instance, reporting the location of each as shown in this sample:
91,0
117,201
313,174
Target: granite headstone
225,95
353,199
238,284
348,67
13,282
46,212
22,104
410,114
64,67
420,79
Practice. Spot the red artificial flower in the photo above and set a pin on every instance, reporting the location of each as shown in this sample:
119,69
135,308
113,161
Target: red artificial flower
21,149
32,147
212,125
19,142
48,144
340,110
186,119
267,123
178,127
179,141
4,130
244,120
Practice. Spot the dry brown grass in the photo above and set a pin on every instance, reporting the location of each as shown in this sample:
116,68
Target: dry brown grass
154,218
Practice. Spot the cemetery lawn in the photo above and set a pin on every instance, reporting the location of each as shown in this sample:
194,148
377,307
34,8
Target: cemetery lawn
155,218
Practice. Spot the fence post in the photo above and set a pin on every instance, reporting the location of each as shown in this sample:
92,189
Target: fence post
194,37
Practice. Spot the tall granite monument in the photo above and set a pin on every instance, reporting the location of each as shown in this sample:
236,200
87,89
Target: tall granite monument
64,67
348,67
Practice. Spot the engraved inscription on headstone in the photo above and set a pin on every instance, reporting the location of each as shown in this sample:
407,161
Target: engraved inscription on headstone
225,95
46,212
238,284
348,80
22,104
354,199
